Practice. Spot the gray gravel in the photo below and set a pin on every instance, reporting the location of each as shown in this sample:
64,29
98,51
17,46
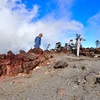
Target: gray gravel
47,83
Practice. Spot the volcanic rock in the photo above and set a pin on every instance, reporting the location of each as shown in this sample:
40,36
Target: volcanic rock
90,78
61,64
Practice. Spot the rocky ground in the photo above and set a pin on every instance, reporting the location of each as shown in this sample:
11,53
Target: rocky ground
63,77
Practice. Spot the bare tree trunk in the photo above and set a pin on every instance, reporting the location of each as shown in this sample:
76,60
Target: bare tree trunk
78,47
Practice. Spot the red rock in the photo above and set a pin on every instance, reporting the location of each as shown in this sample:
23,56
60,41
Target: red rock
18,57
10,55
46,51
34,63
36,51
32,56
22,52
26,58
0,71
42,59
64,50
18,69
4,70
2,56
31,51
47,54
10,70
6,62
27,66
14,68
97,50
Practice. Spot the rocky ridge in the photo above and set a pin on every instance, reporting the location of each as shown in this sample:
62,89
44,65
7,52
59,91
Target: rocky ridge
25,62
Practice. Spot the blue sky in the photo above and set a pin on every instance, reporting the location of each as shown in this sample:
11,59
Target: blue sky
58,20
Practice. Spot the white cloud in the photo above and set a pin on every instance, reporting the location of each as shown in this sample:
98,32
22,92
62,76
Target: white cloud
17,31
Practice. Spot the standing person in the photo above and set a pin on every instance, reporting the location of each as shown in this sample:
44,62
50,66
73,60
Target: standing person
38,41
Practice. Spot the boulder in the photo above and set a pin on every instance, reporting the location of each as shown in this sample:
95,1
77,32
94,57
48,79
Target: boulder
61,64
90,78
27,66
36,51
32,56
34,63
14,68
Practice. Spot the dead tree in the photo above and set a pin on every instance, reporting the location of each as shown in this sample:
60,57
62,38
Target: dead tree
97,42
78,43
58,46
48,47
